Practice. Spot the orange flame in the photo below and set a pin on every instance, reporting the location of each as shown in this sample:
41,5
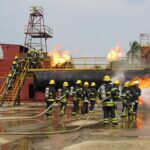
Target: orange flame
115,54
139,121
143,83
59,57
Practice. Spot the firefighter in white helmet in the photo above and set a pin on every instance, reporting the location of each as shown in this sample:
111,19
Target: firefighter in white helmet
138,93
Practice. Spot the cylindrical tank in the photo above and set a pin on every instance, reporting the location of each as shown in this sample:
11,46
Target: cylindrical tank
41,78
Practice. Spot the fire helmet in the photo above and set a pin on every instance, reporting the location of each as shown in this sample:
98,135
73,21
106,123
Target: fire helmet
78,82
116,82
136,82
86,84
93,84
14,62
52,82
9,75
132,83
65,83
127,84
106,78
16,57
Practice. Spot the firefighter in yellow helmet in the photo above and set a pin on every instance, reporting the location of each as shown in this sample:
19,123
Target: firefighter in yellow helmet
15,67
115,92
106,78
85,97
115,96
16,58
8,82
76,97
126,100
92,96
50,97
107,103
64,95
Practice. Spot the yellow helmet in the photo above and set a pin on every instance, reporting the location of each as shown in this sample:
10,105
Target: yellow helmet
9,75
14,62
93,84
52,82
116,82
106,78
127,84
132,83
86,84
16,57
65,83
78,82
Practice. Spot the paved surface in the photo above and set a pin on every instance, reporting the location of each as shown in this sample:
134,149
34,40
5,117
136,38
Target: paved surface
128,135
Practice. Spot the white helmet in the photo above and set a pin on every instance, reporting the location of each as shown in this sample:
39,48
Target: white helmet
136,82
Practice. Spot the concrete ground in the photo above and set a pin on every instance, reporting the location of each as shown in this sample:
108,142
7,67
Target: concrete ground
128,135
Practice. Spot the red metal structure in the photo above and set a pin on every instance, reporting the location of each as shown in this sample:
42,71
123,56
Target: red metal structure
145,47
36,31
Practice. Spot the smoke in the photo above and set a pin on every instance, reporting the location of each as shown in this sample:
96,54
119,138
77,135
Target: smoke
119,76
146,96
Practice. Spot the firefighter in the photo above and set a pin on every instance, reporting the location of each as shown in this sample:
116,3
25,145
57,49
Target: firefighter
92,96
76,97
29,55
50,95
115,92
14,69
115,95
133,98
16,58
64,95
8,82
85,97
107,104
125,99
138,93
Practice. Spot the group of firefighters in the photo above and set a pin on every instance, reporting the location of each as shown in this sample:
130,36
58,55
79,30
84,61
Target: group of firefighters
11,77
86,96
33,56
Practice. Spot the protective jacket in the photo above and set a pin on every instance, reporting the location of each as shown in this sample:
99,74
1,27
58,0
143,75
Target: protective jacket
77,93
93,93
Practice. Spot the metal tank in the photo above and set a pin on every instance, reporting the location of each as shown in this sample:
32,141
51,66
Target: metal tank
41,78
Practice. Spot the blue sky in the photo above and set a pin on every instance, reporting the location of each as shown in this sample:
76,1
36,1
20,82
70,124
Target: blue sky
93,26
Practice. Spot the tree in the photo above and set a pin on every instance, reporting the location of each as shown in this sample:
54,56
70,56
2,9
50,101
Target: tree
133,55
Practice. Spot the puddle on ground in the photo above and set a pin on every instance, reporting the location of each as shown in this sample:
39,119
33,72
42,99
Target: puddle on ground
57,123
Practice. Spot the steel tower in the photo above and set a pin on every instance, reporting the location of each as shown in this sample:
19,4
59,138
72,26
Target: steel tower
36,31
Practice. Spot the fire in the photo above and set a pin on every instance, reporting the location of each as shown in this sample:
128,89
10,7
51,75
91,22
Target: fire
59,57
143,83
115,54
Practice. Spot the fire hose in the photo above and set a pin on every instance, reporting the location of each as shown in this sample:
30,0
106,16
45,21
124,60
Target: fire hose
48,133
53,132
33,117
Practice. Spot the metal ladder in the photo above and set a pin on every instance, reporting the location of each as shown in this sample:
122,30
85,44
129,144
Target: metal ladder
14,92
